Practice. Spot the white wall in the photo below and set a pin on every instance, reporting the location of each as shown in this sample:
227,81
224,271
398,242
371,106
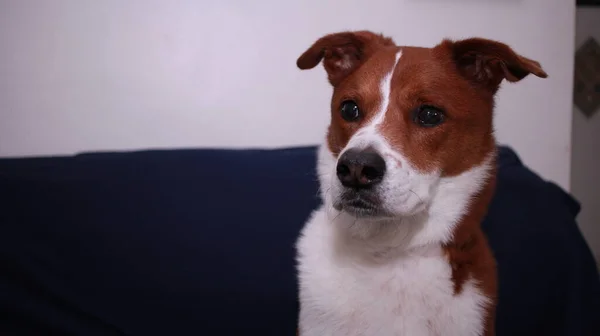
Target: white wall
585,176
82,75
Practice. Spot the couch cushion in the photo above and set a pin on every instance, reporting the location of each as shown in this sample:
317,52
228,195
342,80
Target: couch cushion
193,242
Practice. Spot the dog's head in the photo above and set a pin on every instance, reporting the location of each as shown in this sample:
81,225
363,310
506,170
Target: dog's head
408,123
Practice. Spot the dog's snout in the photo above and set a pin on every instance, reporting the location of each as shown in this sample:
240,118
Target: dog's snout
360,168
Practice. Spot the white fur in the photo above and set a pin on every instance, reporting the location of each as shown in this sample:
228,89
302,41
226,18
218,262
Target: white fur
387,276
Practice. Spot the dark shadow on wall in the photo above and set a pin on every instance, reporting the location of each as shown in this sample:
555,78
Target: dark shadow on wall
588,3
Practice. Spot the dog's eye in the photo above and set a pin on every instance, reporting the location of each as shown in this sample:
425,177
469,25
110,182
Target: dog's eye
428,116
350,111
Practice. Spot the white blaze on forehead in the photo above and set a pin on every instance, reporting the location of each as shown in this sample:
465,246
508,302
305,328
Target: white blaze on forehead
364,136
386,89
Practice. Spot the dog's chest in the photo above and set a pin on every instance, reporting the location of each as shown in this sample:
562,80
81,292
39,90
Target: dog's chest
413,295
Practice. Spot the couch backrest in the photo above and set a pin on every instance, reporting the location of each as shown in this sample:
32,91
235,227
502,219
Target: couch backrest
201,242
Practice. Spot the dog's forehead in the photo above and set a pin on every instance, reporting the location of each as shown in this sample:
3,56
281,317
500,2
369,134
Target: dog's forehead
410,58
414,55
405,62
374,68
415,66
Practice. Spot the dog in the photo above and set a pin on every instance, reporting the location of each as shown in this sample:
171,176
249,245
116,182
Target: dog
406,171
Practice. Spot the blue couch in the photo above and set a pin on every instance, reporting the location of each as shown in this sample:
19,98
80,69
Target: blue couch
201,242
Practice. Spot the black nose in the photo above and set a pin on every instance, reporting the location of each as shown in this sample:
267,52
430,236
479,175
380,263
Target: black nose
360,168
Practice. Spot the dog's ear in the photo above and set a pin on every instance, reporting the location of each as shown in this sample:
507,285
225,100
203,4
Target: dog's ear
487,63
342,53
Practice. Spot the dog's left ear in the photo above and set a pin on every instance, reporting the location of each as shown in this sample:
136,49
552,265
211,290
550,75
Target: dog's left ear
487,62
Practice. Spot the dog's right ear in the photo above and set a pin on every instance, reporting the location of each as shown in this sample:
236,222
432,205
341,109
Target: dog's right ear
342,53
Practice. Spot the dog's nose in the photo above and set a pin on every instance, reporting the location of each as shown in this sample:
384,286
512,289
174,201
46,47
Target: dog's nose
360,169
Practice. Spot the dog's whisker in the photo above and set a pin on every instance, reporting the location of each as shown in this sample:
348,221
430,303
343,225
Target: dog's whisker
414,193
336,216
